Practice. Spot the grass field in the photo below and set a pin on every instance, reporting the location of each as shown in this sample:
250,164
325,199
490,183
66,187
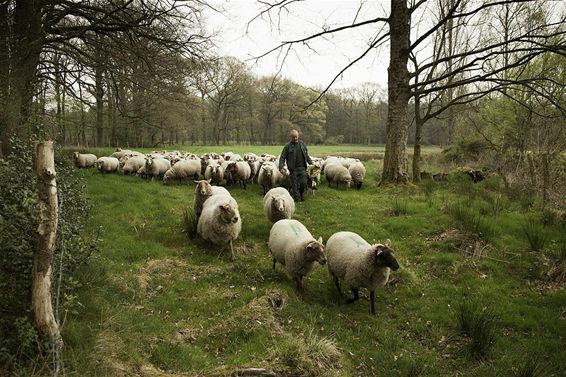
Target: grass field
470,298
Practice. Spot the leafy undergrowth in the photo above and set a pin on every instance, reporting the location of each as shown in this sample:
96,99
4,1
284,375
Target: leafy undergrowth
156,302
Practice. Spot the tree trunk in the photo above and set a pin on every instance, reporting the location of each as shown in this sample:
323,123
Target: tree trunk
99,95
395,160
4,79
417,146
45,241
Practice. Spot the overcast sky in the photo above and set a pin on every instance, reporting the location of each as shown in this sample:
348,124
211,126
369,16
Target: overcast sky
314,67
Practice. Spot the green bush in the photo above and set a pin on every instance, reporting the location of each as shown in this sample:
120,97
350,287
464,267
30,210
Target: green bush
18,224
465,151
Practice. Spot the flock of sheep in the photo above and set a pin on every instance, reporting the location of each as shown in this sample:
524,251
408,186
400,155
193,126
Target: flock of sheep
349,257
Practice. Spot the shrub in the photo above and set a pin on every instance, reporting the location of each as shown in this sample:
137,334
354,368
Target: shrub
534,233
479,324
18,224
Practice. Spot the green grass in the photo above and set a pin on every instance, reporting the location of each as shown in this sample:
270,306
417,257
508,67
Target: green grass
156,302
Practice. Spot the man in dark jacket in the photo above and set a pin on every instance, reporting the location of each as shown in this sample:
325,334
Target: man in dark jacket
296,155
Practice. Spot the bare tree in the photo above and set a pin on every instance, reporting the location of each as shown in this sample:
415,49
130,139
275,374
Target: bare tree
475,60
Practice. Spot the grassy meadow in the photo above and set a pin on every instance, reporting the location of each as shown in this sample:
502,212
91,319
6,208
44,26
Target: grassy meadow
471,297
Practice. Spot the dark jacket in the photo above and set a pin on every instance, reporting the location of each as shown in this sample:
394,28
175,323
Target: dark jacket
288,154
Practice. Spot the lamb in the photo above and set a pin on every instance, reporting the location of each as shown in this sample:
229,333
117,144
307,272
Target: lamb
292,245
107,164
220,221
203,191
156,167
214,172
133,164
182,170
240,172
359,264
337,174
278,204
357,171
84,160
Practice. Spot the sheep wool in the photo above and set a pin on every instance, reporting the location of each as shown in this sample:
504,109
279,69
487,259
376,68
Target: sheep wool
107,164
293,246
337,174
220,221
359,264
84,160
278,204
182,170
357,172
133,164
205,190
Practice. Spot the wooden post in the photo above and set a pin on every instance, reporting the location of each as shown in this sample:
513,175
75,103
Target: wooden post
45,241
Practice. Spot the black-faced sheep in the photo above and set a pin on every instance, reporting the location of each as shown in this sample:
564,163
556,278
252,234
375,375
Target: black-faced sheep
292,245
359,264
220,221
278,204
357,171
239,171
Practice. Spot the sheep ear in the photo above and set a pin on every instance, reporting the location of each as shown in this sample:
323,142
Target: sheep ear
320,239
388,243
209,180
197,182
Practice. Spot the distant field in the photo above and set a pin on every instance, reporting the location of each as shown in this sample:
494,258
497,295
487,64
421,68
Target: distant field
155,303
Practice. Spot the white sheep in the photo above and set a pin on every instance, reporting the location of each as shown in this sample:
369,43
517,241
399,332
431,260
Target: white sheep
337,174
107,164
357,171
239,171
86,160
278,204
214,172
266,176
133,164
156,167
203,191
292,245
182,170
220,221
359,264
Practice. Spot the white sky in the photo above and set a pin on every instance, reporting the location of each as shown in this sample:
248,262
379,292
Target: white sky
311,68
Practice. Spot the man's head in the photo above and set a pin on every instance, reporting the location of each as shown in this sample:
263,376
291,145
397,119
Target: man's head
294,136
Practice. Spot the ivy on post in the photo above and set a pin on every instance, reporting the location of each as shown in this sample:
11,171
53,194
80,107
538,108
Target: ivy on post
45,243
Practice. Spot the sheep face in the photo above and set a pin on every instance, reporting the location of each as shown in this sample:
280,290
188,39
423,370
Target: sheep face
203,187
278,204
228,214
315,251
385,256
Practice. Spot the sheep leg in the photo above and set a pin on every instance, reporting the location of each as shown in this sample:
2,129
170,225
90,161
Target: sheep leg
372,302
356,296
274,264
299,283
337,284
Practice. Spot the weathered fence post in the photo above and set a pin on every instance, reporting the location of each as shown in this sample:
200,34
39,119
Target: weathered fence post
45,242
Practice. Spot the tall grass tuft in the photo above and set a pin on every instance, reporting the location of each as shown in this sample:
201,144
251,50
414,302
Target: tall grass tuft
428,187
532,366
534,233
190,221
471,220
479,324
416,368
398,207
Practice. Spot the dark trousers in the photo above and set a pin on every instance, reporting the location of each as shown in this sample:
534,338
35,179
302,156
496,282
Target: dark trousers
298,183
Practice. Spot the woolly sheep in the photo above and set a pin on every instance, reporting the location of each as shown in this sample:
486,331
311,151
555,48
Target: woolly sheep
240,172
214,172
278,204
107,164
156,167
203,191
183,169
84,160
337,174
265,176
220,221
359,264
292,245
133,164
357,171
